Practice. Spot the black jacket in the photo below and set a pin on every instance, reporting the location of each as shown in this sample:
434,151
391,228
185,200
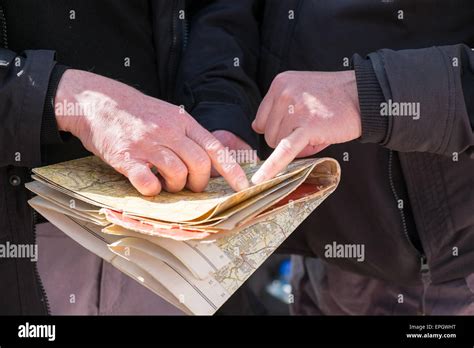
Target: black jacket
407,189
41,39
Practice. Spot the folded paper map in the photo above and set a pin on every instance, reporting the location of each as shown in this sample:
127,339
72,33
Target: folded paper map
192,249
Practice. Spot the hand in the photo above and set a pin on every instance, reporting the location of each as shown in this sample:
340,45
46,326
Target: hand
133,132
232,142
304,112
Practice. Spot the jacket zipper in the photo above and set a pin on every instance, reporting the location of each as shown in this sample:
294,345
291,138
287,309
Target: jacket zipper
4,28
426,280
4,40
425,271
44,298
185,34
177,29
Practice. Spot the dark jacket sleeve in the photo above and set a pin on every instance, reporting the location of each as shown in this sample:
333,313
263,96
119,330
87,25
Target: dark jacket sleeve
437,80
218,70
26,119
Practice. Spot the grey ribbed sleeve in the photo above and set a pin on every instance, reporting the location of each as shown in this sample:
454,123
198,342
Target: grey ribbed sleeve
374,126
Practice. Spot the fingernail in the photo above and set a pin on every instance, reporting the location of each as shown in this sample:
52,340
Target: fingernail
242,183
257,178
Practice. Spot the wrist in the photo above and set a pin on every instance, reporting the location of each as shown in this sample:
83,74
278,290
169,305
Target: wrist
49,127
72,110
60,102
353,96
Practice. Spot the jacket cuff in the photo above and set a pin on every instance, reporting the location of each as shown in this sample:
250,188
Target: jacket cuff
374,125
221,116
49,128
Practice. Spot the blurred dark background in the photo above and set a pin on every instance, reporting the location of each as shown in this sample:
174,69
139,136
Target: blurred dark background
266,292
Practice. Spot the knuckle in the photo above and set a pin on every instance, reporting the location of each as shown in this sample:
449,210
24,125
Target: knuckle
173,139
286,96
168,162
201,163
181,115
229,166
285,147
179,170
121,161
212,146
280,79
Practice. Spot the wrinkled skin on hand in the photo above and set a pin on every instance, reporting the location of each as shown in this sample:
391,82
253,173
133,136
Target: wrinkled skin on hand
304,112
133,132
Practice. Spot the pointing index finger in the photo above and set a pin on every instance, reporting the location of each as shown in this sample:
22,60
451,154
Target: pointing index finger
286,151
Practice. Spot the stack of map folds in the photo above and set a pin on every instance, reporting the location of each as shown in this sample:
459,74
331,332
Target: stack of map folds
192,249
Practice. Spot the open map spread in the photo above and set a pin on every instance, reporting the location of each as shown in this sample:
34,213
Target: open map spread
193,249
